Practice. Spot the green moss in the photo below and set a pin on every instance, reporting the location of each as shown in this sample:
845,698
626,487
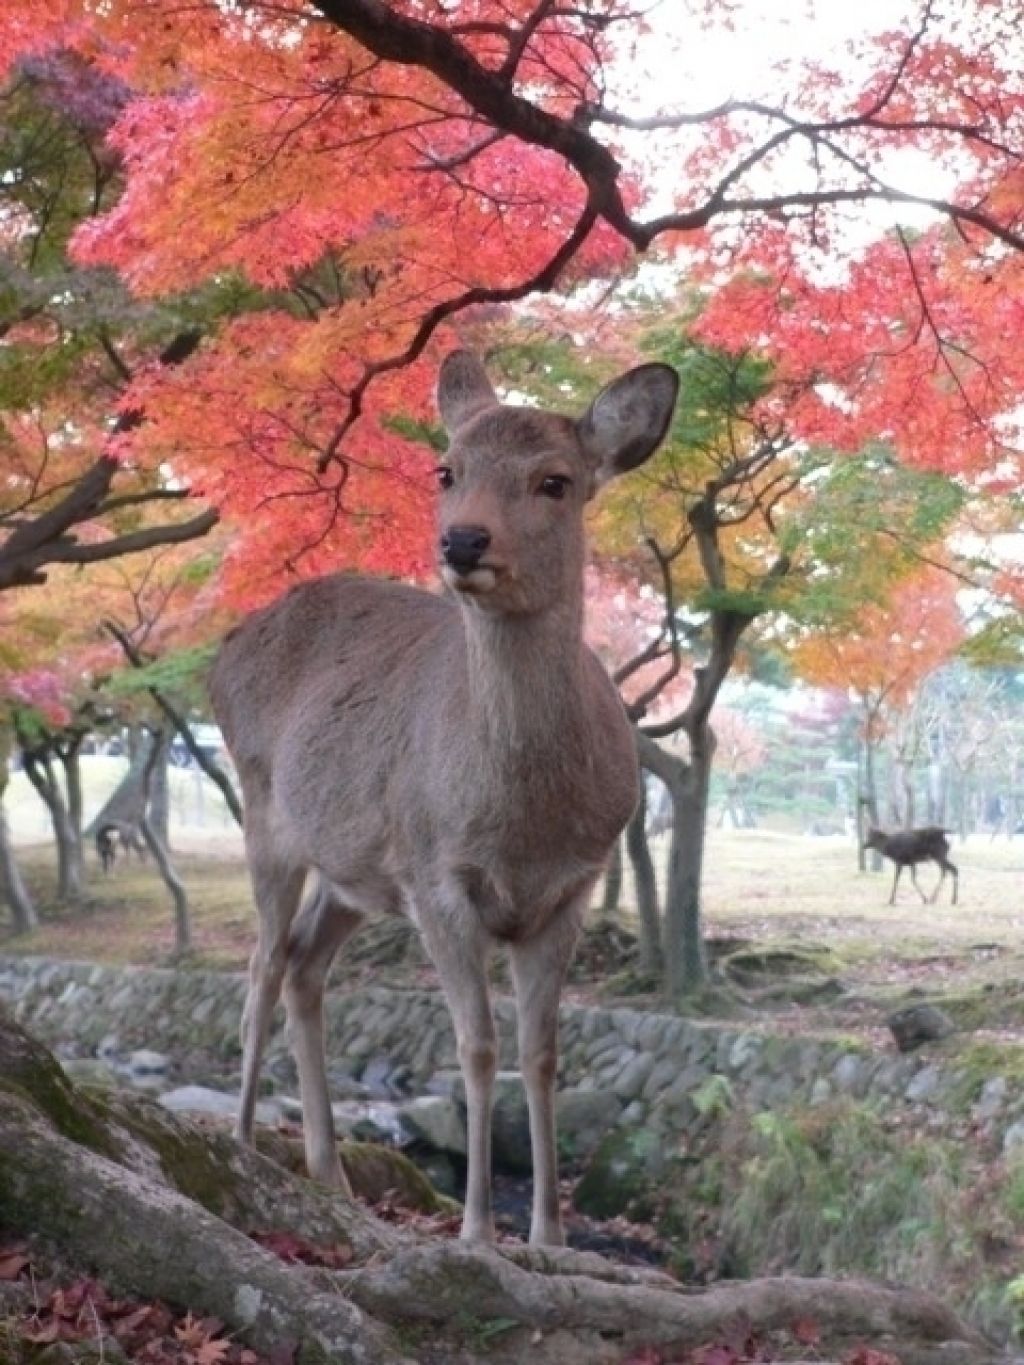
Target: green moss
29,1070
752,965
622,1177
378,1173
197,1162
977,1063
989,1004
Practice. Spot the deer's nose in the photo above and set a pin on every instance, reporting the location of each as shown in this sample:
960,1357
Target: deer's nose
463,546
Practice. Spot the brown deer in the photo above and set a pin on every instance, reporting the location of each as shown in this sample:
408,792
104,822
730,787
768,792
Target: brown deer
907,848
463,759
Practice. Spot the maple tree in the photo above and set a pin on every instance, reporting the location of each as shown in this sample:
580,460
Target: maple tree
378,171
738,526
71,339
344,181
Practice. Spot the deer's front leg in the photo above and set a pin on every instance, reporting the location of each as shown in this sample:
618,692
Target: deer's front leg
538,970
459,950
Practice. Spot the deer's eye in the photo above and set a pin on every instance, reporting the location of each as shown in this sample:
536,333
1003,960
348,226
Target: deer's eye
445,476
555,486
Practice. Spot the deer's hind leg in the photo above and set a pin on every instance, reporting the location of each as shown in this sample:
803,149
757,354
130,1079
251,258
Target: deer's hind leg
946,866
322,926
277,890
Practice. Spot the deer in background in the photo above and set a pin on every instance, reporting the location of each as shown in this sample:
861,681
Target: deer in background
907,848
463,759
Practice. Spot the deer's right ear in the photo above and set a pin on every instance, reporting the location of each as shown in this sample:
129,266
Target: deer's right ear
463,389
627,421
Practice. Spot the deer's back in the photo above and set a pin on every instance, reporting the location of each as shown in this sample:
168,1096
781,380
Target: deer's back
916,845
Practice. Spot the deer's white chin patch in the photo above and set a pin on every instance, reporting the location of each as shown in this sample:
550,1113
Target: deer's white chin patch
476,583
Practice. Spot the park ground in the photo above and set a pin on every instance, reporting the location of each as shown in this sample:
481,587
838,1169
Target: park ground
801,942
809,943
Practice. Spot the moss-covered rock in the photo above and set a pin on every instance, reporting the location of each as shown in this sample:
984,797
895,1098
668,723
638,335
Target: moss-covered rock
622,1177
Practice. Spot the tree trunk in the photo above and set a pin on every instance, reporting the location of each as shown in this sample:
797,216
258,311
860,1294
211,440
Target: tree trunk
867,803
685,964
612,894
13,891
40,772
126,803
69,753
158,807
156,762
685,960
646,888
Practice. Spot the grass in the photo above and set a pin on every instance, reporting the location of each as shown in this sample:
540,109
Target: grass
848,1189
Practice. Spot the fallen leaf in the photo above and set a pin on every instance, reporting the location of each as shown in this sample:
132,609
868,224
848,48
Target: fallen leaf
12,1263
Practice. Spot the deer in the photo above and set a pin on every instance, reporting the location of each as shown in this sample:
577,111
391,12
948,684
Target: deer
460,757
106,847
907,848
107,837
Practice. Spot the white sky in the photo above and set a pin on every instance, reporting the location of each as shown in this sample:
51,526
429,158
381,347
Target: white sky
680,68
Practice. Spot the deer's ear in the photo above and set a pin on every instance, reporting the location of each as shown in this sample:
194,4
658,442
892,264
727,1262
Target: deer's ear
463,389
627,421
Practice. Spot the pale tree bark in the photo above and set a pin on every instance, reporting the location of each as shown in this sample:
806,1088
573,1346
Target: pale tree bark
156,761
13,891
37,758
651,955
612,892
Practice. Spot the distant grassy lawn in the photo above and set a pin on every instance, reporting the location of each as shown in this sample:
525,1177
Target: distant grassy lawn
763,886
127,917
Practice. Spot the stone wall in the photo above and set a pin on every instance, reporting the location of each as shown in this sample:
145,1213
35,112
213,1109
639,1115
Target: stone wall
654,1064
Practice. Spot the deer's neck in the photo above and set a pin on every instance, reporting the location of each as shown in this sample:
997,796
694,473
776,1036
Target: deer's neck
525,681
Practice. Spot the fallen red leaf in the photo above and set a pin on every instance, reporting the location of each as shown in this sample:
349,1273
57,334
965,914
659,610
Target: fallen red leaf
806,1331
299,1251
867,1355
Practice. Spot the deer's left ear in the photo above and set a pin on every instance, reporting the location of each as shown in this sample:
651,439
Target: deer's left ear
627,421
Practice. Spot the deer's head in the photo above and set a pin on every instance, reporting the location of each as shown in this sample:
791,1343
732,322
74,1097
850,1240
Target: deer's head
514,481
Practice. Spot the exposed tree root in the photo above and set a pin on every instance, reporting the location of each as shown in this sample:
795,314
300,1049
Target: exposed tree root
158,1207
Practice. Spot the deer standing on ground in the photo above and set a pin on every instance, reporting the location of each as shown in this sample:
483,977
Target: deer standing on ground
463,759
907,848
107,838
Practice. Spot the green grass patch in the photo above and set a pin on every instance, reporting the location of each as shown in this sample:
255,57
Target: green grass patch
846,1188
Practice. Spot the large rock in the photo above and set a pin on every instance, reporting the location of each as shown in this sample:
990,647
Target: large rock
919,1024
438,1122
584,1119
622,1178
